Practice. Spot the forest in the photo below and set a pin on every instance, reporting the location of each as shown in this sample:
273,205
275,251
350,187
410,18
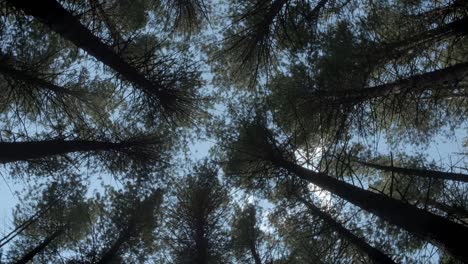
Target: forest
234,131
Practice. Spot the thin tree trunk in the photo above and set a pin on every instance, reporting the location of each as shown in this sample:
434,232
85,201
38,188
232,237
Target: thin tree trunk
254,252
23,151
52,14
374,254
113,251
201,243
30,255
450,30
444,79
7,238
432,174
428,226
450,210
131,229
252,237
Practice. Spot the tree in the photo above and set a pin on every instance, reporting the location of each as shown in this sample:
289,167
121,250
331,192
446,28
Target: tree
142,150
30,255
27,86
63,215
256,149
246,234
162,92
197,218
132,220
374,254
105,104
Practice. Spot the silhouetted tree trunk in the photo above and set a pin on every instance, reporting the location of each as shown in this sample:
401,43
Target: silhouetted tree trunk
23,151
133,227
428,226
450,210
432,174
30,255
374,254
452,29
200,226
254,252
31,220
113,251
438,80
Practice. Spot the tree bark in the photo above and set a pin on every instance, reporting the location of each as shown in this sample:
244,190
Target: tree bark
374,254
24,151
52,14
447,78
428,226
432,174
38,249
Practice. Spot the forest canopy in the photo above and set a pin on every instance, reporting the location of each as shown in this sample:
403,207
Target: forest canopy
242,131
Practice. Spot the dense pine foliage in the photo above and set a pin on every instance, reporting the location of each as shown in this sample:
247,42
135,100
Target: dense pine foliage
242,131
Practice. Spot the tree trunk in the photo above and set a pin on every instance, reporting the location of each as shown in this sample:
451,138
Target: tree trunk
428,226
432,174
444,79
452,29
254,252
30,255
201,242
132,228
23,151
374,254
113,251
52,14
31,220
450,210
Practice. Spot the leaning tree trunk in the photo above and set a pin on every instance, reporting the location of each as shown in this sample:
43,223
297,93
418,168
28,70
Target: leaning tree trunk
374,254
132,229
423,173
449,210
31,220
385,52
113,251
52,14
24,151
449,30
30,255
428,226
445,80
